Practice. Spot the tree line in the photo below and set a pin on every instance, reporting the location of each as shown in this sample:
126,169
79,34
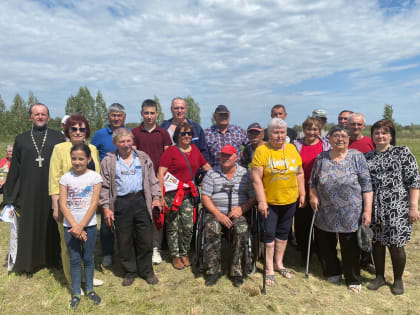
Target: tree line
14,118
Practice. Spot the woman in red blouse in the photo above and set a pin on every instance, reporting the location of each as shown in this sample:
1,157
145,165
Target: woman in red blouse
309,147
180,202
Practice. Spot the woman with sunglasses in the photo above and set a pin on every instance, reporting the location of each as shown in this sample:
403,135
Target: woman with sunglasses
77,130
341,194
182,160
279,185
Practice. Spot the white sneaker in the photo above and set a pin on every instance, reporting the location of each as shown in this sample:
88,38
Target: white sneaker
97,282
156,258
107,261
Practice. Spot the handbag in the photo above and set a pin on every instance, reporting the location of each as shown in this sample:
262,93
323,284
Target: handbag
197,198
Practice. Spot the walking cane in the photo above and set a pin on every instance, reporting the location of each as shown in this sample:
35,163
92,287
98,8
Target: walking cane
309,246
265,254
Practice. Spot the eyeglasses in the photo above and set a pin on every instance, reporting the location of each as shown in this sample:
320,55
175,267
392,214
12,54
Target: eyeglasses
186,133
75,129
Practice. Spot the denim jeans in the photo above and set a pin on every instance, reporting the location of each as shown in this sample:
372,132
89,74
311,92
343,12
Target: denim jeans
107,238
79,250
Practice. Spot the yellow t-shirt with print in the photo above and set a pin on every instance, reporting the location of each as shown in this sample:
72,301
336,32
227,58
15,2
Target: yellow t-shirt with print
279,177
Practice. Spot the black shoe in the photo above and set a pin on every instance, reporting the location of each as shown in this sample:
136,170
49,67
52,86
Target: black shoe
212,279
237,281
369,268
74,302
378,282
397,287
128,279
152,280
94,297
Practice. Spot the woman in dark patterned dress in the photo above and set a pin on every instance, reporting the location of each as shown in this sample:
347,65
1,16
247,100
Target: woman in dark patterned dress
396,184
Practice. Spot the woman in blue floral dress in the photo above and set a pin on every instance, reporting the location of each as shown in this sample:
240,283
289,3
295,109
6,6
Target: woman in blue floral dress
396,184
341,193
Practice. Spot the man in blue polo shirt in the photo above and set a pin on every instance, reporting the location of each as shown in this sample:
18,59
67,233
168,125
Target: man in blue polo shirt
102,140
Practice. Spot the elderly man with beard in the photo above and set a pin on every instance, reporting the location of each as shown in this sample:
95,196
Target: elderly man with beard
26,189
227,179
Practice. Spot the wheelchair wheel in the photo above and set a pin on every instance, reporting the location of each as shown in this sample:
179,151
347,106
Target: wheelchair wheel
199,241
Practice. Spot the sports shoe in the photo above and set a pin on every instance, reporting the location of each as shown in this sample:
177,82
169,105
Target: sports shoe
97,282
156,258
74,302
94,297
107,261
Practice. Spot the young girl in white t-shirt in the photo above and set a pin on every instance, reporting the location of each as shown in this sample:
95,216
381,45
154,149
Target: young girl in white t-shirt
79,197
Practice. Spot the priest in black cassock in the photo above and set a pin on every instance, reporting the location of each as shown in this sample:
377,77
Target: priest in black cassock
26,189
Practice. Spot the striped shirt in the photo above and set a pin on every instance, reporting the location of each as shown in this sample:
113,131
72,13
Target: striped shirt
213,187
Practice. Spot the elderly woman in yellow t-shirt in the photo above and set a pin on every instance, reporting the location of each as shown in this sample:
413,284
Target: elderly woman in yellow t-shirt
279,186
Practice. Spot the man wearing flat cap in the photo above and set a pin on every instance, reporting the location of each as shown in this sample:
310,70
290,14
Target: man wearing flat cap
227,193
223,133
255,133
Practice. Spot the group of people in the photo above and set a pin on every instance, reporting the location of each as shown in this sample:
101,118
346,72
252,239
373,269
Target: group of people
147,180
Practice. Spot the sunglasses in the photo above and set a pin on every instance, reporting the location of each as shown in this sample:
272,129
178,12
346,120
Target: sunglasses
185,133
75,129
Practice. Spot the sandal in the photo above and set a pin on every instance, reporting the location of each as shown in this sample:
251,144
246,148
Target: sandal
269,280
285,273
355,288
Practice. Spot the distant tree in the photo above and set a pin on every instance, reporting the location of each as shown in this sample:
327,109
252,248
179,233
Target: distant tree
83,103
101,118
388,112
2,106
161,116
193,109
213,121
32,99
17,120
131,125
3,118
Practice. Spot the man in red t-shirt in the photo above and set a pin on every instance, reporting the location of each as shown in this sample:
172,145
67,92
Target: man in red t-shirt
359,142
356,124
152,139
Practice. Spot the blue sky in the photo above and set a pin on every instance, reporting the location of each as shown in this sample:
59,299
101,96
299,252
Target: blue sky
248,55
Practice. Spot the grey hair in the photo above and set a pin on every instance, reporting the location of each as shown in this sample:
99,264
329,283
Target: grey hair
38,104
9,147
121,132
116,107
338,128
276,123
356,115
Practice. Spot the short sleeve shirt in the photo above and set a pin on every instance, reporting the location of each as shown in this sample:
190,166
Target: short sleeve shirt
153,143
363,145
214,186
79,194
176,164
280,167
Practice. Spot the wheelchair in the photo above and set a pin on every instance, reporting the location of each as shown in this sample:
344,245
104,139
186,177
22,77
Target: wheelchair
250,252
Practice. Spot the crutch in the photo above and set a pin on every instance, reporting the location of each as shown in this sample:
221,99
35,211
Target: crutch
309,245
265,254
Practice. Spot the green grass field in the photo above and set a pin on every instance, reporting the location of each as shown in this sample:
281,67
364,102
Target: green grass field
183,292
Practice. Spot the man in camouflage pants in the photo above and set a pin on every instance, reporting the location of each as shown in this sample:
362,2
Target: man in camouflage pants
227,179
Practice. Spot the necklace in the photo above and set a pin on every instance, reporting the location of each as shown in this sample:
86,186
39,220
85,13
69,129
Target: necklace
39,159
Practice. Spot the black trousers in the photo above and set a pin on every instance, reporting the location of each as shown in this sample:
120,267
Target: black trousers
350,254
133,228
302,224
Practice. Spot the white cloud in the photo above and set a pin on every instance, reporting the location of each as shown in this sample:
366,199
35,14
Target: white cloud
246,54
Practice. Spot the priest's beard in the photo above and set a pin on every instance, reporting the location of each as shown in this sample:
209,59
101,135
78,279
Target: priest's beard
39,128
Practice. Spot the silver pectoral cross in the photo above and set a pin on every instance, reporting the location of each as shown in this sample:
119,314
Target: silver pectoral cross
39,159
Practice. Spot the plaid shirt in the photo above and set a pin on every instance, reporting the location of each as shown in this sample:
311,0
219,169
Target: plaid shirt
216,140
